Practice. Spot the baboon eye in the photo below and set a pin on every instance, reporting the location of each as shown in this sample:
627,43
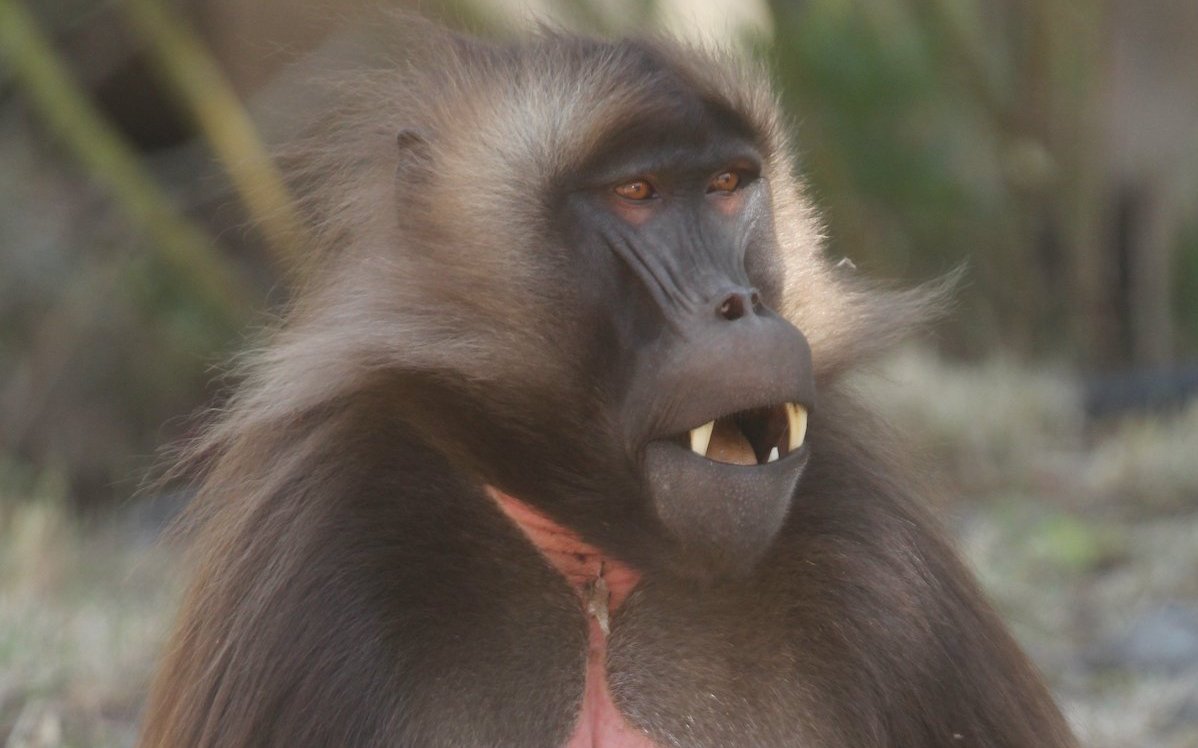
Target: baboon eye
726,181
637,190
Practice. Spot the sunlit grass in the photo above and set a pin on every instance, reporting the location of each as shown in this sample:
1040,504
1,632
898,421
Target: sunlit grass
83,610
1000,426
1079,531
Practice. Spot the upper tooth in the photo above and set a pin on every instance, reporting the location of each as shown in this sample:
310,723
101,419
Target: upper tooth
701,437
773,455
796,415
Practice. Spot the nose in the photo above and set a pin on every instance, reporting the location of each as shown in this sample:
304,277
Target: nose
737,303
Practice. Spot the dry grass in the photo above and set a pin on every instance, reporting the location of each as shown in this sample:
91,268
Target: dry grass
1001,427
82,614
1080,532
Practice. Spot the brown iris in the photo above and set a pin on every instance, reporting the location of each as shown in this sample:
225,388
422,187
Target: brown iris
637,189
726,182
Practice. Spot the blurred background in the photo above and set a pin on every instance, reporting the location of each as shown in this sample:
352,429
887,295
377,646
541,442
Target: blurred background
1049,146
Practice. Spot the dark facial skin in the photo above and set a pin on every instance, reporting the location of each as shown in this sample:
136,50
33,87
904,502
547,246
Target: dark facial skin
677,217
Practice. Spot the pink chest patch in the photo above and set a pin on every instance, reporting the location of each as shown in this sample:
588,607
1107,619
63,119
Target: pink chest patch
602,584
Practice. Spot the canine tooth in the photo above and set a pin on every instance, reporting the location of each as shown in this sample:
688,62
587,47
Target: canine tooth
773,455
701,437
797,417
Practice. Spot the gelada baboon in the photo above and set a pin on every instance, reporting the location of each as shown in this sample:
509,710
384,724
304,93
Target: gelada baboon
554,449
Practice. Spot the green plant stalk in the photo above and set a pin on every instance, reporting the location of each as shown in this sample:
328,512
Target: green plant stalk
201,87
113,165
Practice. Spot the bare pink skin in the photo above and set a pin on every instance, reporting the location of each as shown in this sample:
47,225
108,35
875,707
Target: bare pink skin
600,724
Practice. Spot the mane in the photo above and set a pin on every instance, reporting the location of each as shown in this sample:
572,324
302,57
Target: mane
362,313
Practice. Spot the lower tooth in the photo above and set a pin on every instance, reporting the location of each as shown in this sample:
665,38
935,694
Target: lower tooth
773,455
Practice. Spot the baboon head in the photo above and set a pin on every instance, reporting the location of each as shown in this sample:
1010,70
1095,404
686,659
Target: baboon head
597,281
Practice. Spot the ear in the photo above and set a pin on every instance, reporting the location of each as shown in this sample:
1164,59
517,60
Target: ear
414,155
408,138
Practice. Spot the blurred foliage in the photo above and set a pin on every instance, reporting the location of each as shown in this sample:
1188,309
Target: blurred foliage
936,132
910,136
110,162
1186,282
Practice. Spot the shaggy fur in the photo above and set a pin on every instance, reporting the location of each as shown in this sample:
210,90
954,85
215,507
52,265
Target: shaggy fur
354,586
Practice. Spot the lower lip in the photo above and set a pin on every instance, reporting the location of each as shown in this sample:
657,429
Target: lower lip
725,514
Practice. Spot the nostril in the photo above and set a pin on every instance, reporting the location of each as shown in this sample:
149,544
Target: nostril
733,307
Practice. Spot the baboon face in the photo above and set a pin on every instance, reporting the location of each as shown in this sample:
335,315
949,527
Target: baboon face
714,387
682,397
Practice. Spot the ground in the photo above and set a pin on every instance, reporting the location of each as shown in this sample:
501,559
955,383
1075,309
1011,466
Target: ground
1085,535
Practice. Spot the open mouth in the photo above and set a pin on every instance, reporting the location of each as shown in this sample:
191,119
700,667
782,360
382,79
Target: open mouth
750,437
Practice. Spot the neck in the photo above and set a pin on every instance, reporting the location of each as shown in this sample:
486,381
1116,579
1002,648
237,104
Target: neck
589,571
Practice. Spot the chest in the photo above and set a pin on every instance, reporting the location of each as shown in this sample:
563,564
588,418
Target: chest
684,668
